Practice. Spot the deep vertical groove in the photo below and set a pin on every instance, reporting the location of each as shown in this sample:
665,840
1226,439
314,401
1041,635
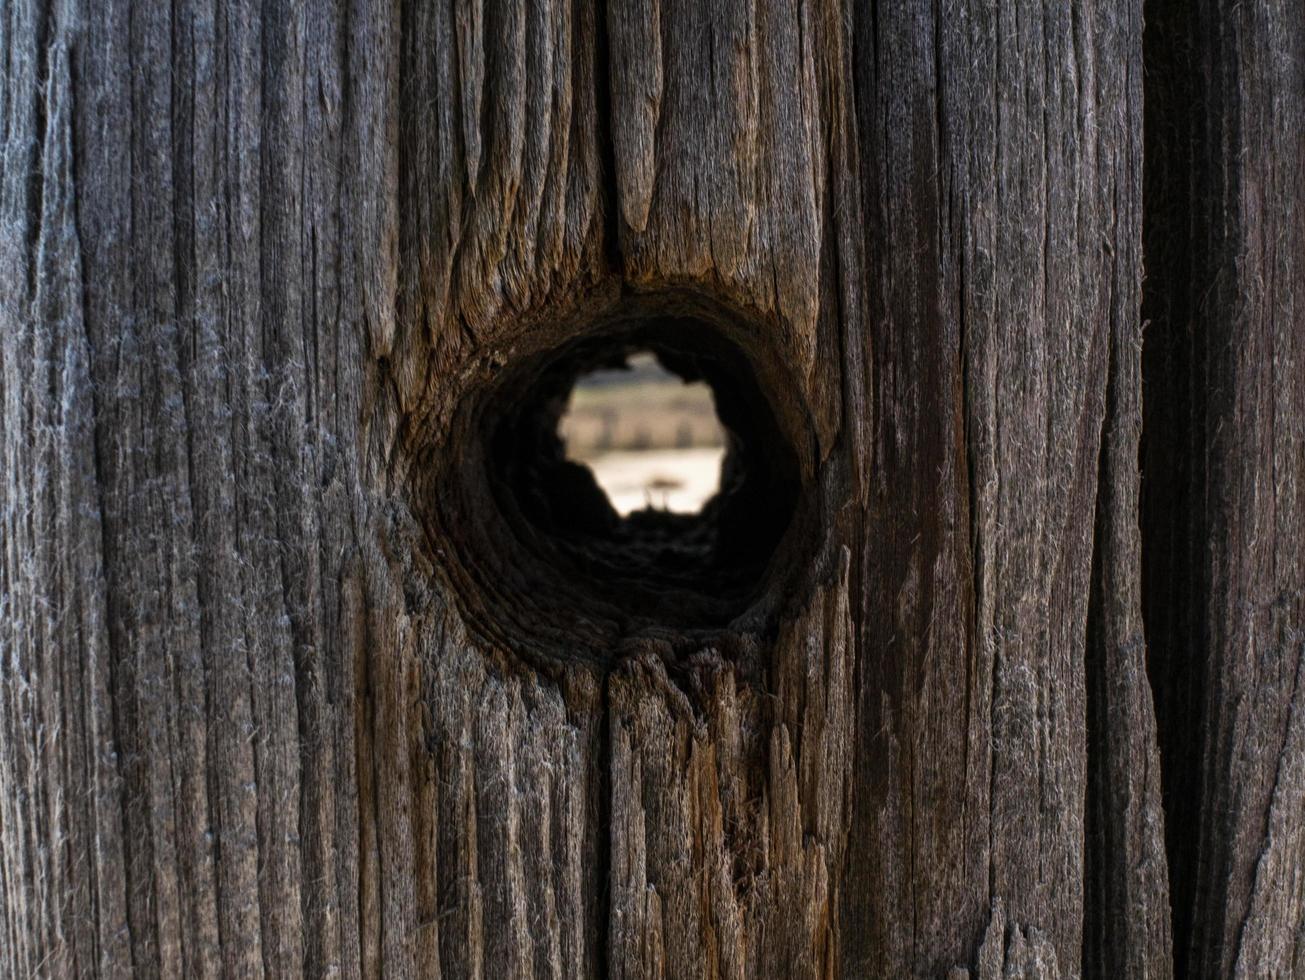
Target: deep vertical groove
1097,838
36,175
603,852
1223,429
1174,483
606,144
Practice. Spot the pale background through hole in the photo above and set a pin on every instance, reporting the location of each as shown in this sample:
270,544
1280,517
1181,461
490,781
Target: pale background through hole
651,440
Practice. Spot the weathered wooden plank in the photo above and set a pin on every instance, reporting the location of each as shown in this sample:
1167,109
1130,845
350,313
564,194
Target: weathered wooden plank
256,259
1000,152
62,849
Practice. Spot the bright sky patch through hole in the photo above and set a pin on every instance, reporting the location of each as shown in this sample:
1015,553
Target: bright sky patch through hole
651,440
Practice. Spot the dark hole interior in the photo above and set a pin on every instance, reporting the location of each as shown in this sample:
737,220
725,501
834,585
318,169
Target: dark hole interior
540,537
690,567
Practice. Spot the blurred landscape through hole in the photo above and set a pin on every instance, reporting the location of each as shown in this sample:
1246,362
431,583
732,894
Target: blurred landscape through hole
651,440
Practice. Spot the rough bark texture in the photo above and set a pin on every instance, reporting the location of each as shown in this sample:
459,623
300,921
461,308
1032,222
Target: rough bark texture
270,706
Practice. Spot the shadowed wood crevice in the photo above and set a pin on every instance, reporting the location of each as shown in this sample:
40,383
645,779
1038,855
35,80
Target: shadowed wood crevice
1175,535
1223,502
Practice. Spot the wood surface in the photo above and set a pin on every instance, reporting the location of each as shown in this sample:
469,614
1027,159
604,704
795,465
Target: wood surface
1022,696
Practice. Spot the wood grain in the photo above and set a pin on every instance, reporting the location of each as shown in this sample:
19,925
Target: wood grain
1224,476
255,259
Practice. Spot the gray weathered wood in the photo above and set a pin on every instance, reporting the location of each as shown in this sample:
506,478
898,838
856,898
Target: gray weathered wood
255,259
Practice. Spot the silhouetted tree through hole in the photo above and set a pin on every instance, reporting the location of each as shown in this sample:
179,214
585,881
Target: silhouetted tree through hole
651,440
